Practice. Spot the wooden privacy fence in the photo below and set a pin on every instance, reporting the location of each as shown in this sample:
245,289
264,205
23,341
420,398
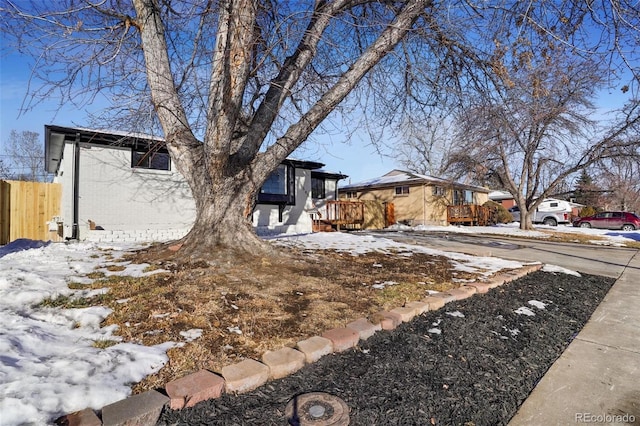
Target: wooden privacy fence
26,208
471,214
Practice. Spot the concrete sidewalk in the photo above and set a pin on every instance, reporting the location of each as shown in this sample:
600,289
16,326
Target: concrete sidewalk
597,379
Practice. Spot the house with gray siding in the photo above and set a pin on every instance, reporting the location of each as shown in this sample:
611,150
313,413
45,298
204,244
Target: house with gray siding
119,186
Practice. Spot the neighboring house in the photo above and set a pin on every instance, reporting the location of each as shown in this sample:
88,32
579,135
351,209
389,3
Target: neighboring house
417,199
118,185
503,197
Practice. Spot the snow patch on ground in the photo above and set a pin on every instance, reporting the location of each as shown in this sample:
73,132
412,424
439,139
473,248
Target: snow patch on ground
560,270
525,311
50,364
537,304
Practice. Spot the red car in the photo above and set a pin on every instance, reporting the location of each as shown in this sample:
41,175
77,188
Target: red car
610,220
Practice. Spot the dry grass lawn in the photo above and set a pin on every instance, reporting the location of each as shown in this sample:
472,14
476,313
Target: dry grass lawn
247,306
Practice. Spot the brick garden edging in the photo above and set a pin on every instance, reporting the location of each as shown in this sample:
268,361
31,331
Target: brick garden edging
145,408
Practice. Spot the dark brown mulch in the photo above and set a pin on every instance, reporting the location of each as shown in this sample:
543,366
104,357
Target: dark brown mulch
477,372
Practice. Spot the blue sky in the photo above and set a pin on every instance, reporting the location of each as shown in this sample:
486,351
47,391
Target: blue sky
358,158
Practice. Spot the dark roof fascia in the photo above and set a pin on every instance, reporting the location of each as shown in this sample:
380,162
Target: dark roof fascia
327,175
303,164
90,136
101,137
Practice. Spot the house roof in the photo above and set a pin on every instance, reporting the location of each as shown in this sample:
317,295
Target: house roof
56,136
401,177
500,195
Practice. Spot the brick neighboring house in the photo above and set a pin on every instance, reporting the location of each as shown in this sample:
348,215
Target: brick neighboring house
502,197
122,186
417,199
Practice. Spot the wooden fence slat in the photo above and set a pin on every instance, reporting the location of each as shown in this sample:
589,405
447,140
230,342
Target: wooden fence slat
25,209
4,212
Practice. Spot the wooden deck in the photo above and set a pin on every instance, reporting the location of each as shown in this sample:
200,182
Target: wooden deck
468,214
347,214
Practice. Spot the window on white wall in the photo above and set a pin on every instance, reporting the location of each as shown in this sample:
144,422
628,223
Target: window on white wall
276,183
279,186
317,188
148,159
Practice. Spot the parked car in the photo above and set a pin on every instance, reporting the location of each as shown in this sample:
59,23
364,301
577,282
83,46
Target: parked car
550,212
610,220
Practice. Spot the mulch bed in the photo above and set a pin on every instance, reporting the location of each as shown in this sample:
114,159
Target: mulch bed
478,371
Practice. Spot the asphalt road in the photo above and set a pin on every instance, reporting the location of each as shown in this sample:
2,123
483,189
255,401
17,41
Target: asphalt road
591,259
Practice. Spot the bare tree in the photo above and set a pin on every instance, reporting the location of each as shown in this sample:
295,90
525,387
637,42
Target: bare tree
25,156
5,174
423,147
237,85
531,128
619,177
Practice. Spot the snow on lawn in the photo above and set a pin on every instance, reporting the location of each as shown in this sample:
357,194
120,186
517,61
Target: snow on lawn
360,244
48,363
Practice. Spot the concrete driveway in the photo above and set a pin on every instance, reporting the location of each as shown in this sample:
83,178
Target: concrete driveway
597,379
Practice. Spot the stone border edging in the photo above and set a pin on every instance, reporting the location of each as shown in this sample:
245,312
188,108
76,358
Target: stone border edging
145,408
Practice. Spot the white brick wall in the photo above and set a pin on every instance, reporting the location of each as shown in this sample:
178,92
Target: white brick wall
117,197
146,235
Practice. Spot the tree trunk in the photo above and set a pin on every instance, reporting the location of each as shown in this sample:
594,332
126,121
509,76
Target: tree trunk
223,219
525,220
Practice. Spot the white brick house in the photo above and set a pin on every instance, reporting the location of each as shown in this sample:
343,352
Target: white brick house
121,186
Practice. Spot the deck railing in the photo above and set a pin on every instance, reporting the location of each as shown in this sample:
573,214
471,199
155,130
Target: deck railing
345,212
471,214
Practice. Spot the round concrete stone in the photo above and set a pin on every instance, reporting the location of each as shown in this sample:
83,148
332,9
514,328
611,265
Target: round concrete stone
317,409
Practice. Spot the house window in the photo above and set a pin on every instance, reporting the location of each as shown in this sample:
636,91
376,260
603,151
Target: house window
402,190
147,159
276,183
438,191
468,197
317,188
279,186
461,196
352,194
